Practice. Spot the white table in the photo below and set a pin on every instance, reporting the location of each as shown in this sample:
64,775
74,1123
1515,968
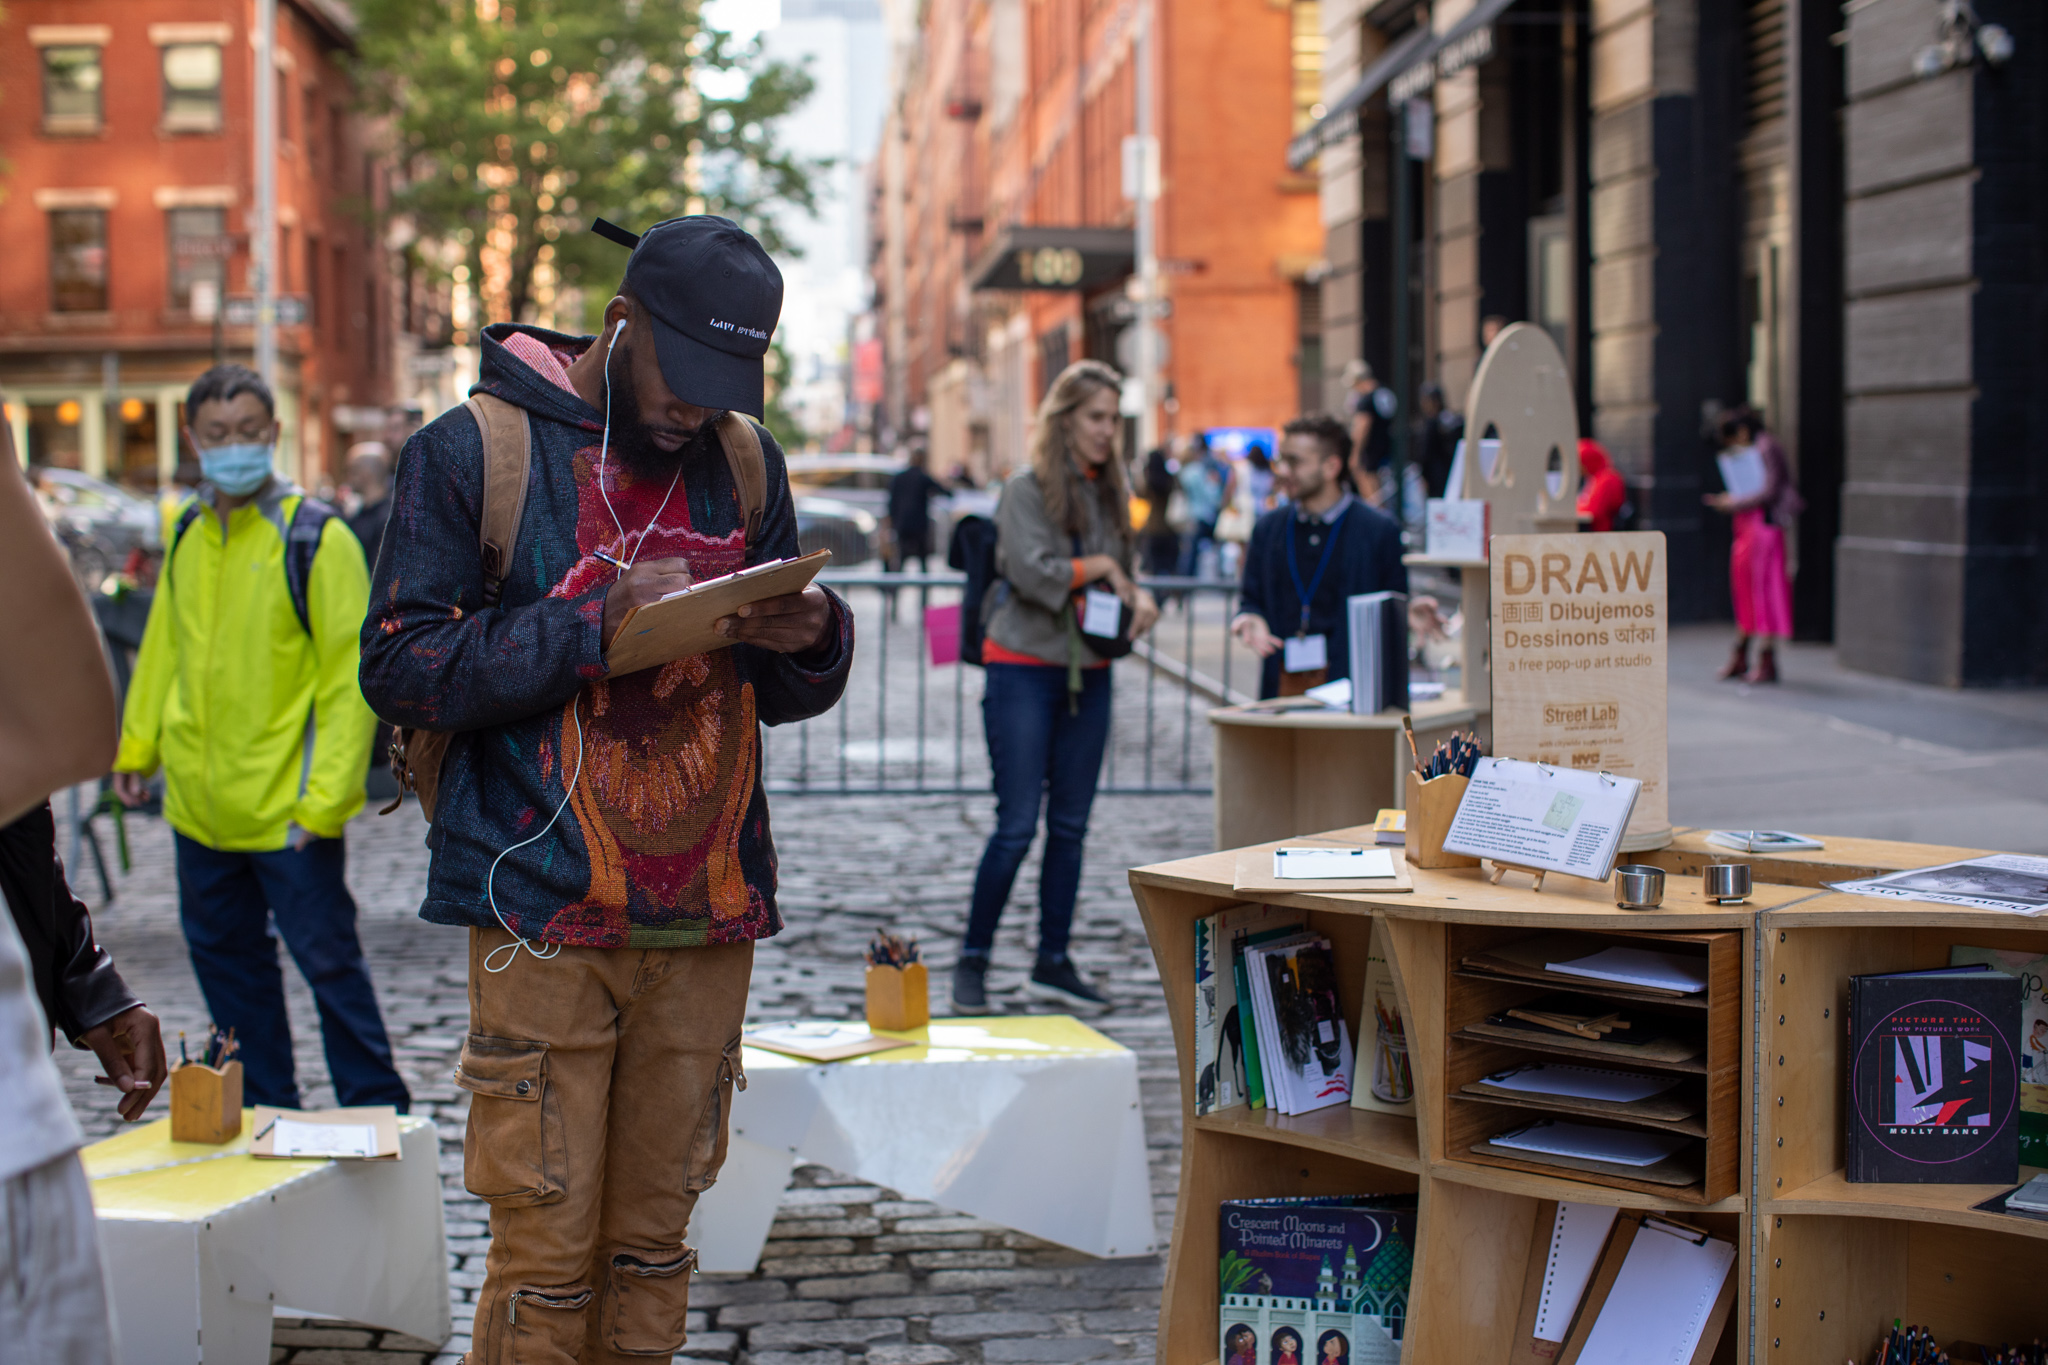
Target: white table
1029,1122
204,1243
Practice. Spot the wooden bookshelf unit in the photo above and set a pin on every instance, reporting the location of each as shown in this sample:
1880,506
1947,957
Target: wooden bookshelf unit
1822,1265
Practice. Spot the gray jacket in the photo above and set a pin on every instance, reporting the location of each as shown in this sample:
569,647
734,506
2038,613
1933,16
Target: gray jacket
1035,560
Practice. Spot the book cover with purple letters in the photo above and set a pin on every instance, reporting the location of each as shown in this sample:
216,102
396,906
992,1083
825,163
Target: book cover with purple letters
1315,1281
1934,1078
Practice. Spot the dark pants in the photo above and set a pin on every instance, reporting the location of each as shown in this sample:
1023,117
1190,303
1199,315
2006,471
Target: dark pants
1041,752
226,903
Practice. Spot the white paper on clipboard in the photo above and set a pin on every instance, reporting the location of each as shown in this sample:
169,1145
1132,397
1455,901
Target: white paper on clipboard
1660,1302
1576,1238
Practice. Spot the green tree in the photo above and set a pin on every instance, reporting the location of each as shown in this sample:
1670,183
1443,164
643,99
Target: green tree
516,122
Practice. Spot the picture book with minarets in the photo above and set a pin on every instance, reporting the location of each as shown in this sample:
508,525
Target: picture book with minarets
1315,1281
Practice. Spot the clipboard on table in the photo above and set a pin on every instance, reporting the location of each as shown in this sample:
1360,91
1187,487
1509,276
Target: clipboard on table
365,1133
686,622
1255,872
1668,1291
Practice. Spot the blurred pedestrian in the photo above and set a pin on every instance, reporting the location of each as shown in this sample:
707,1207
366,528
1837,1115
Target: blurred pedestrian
612,899
1491,326
1207,481
57,712
1307,558
1370,409
1437,433
1161,540
911,490
1757,575
251,642
369,477
1062,526
1602,494
1258,478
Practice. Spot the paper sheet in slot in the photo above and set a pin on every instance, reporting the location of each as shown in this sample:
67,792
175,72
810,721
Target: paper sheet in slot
1378,869
1577,1235
364,1133
1639,967
686,622
1583,1082
1621,1146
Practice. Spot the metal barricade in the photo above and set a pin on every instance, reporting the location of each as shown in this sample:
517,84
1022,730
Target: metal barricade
909,725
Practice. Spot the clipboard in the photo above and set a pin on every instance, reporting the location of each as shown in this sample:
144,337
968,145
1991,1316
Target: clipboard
1627,1228
382,1118
1254,872
1550,1279
686,622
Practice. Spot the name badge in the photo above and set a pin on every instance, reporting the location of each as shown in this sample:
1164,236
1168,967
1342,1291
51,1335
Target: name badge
1102,614
1306,653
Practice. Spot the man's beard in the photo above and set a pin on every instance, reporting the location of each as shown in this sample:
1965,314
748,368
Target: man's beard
632,440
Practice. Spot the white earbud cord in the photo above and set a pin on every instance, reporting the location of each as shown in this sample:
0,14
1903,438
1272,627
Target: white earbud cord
604,447
518,942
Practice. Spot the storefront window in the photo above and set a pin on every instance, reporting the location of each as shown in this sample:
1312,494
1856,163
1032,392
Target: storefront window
192,86
71,89
78,260
196,235
53,436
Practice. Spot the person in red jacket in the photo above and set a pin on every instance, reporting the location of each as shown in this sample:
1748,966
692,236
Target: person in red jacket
1602,494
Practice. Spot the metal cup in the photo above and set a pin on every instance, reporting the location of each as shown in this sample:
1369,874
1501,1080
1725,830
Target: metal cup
1727,883
1637,886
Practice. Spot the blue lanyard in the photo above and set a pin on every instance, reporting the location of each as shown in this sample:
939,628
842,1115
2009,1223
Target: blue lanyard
1308,593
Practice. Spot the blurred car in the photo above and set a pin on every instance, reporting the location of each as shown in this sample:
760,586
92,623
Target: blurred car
854,479
100,524
853,534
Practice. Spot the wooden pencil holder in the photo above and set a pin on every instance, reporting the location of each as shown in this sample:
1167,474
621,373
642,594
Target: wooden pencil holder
206,1103
899,998
1432,805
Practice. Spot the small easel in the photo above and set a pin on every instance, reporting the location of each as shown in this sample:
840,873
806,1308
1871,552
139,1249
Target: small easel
1501,869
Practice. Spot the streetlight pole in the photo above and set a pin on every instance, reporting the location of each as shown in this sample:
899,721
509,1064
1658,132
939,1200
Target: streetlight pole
263,231
1147,240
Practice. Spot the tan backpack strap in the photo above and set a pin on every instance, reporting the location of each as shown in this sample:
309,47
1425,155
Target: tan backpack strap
749,471
508,462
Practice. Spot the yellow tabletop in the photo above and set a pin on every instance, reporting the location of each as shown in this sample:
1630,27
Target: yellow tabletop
996,1038
142,1174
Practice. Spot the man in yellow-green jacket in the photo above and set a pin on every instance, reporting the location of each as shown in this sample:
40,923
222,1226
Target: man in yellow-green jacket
245,694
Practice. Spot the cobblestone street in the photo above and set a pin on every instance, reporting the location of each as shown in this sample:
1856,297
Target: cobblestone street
852,1274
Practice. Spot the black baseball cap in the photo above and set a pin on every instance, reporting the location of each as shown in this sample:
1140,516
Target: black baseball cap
713,298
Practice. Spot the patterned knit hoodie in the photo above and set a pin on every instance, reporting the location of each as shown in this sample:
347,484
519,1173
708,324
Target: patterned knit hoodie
664,840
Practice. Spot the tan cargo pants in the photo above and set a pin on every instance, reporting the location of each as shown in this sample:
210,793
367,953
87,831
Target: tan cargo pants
602,1081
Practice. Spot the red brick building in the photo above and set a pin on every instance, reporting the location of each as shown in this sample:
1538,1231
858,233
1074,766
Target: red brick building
1005,244
126,128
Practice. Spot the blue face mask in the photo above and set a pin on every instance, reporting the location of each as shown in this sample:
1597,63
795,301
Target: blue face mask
237,469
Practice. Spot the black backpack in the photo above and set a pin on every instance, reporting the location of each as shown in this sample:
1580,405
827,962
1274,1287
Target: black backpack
301,543
972,550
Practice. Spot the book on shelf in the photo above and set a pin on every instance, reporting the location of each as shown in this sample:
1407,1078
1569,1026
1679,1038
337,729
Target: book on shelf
2032,971
1308,1281
1934,1077
1304,1042
1222,1076
1386,1082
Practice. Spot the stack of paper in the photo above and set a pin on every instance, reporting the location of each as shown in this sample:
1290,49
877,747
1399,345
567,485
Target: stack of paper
1583,1141
1644,968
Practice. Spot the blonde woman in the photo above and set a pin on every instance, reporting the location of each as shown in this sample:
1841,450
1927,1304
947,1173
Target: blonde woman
1063,530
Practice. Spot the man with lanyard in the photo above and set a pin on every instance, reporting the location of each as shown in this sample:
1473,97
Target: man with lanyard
1307,556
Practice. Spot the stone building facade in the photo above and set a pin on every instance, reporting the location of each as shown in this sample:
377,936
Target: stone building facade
1829,212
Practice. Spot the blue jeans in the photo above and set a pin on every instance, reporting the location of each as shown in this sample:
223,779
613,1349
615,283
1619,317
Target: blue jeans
227,903
1041,752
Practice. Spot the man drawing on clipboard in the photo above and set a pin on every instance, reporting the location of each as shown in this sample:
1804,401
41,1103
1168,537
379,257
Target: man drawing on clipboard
604,838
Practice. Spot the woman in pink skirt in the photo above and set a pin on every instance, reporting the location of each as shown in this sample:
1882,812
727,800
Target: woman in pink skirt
1756,563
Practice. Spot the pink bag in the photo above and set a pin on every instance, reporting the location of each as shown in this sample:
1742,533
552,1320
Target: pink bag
942,634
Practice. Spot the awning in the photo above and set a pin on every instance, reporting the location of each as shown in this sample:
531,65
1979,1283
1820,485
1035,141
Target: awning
1466,43
1062,258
